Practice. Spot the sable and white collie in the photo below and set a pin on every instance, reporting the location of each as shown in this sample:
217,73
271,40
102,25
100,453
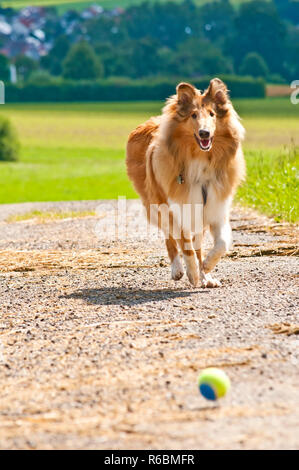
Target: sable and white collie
191,154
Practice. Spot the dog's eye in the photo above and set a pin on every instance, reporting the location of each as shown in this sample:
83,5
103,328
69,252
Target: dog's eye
212,114
194,116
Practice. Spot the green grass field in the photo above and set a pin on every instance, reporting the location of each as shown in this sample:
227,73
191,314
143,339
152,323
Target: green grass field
79,4
77,151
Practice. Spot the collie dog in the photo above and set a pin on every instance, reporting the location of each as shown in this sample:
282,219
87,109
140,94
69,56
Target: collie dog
190,155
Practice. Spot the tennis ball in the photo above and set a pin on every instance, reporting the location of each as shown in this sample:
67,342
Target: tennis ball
213,383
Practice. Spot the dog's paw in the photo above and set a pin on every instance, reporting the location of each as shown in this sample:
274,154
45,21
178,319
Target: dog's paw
177,270
208,281
192,270
193,278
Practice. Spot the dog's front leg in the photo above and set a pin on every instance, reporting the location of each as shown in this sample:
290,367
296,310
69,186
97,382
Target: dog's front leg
189,255
206,278
177,270
222,239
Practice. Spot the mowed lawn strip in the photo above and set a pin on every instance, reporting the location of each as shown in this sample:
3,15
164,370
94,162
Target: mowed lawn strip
74,151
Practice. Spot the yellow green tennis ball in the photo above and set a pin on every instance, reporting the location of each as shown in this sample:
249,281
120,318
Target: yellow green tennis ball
213,383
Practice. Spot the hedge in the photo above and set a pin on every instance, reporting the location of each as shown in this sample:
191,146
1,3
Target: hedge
9,144
123,89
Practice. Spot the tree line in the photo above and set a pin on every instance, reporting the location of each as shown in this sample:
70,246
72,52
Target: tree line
259,38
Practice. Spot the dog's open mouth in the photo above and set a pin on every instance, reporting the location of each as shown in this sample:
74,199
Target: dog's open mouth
205,144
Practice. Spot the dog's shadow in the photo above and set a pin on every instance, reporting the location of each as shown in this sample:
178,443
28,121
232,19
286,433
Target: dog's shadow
126,296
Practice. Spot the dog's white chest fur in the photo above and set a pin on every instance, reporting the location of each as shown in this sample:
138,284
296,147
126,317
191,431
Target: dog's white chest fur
198,177
202,179
197,172
203,195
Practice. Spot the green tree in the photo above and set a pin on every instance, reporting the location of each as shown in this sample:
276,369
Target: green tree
144,58
4,68
116,61
134,59
25,66
218,17
254,65
288,9
82,63
292,54
197,57
168,22
53,61
259,28
107,29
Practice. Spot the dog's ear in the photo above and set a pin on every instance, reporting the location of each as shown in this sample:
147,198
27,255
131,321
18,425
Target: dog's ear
218,93
185,94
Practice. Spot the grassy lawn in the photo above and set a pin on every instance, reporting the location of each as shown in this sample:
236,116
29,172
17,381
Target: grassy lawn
76,151
272,183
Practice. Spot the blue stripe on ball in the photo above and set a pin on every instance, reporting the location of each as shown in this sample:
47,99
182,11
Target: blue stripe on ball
207,392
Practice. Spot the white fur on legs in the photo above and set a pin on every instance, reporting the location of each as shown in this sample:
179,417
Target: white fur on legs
222,240
192,269
177,270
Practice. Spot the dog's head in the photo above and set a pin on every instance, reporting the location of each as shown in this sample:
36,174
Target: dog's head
199,112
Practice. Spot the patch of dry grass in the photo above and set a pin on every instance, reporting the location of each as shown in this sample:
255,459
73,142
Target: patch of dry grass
49,216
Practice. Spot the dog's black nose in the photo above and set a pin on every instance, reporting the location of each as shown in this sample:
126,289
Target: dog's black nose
204,134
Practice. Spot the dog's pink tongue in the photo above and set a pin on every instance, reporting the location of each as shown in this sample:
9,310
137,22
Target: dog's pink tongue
205,142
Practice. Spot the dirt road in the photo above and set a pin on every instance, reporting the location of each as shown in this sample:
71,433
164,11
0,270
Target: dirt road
100,349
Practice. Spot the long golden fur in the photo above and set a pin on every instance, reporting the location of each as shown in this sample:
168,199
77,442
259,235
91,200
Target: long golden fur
191,154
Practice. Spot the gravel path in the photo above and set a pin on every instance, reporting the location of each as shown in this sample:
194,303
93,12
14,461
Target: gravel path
100,349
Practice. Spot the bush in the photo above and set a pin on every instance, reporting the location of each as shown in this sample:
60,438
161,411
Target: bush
9,144
125,89
41,78
254,65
